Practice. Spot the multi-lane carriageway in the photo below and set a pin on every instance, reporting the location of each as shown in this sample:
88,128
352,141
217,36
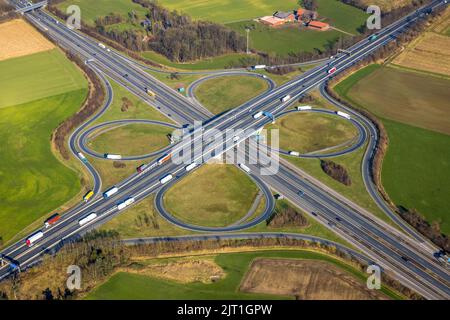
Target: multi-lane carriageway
408,259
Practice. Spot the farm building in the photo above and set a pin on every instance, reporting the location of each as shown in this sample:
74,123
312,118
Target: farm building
306,15
286,16
317,25
272,21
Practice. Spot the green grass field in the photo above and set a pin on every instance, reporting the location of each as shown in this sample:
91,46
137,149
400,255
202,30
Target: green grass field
90,10
342,16
308,132
236,265
131,140
37,76
138,110
213,195
230,10
143,220
220,62
222,94
32,181
415,171
416,159
285,40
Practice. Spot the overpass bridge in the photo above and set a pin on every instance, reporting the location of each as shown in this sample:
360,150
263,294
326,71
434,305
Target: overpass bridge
26,6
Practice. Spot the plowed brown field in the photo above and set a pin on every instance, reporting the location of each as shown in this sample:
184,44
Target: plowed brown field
18,38
305,279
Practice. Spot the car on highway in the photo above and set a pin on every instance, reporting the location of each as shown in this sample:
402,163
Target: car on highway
301,193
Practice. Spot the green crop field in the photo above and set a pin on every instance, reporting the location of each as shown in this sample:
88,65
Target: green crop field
415,171
32,181
37,76
140,287
131,140
90,10
289,39
308,132
230,10
342,16
417,158
213,195
222,94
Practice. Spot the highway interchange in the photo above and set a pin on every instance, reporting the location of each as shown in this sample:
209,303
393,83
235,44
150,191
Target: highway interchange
408,257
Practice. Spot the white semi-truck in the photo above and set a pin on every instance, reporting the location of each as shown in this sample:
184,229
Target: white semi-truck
113,156
166,179
286,98
304,108
343,115
108,193
126,203
244,167
257,115
87,219
31,240
191,166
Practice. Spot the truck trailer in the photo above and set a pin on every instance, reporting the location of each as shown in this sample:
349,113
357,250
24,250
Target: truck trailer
87,219
108,193
31,240
52,220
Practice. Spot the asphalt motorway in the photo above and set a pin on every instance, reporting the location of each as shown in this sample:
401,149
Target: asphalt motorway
418,271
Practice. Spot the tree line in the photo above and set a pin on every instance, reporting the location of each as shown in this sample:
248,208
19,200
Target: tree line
101,253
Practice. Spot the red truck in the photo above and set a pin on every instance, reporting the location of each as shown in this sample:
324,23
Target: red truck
52,220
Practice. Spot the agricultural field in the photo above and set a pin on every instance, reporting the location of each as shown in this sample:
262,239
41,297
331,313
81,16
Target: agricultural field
90,10
409,97
341,16
318,281
213,195
442,26
310,132
415,111
30,109
285,40
229,11
230,269
219,95
429,53
294,38
387,5
21,78
18,38
414,171
130,140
